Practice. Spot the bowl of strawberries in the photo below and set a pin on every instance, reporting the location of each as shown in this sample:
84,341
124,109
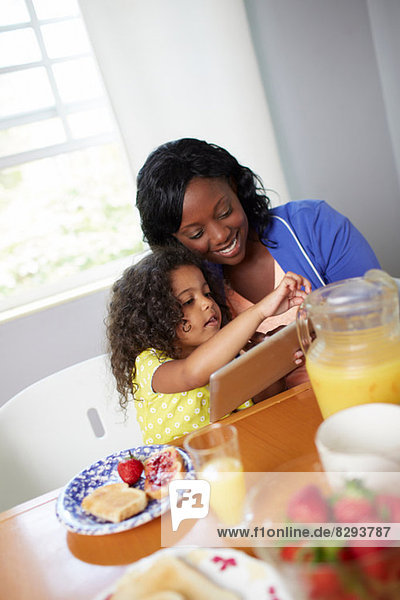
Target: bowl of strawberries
363,563
338,573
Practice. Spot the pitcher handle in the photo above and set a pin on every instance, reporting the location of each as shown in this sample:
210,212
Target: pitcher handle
303,329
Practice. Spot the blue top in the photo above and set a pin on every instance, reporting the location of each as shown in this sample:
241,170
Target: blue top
332,243
314,240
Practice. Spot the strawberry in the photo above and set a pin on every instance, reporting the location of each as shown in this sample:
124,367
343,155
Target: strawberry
325,582
345,554
308,506
296,554
380,564
388,507
355,505
289,553
354,510
376,567
130,470
359,552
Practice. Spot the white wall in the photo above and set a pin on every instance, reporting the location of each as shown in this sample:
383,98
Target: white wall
385,27
332,79
175,69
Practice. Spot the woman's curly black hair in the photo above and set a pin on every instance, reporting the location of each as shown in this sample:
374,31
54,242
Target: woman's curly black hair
143,312
164,177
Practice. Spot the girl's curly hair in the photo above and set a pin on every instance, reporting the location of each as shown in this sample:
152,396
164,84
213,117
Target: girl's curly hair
143,312
163,179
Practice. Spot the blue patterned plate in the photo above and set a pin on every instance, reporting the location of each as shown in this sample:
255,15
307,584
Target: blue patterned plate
104,471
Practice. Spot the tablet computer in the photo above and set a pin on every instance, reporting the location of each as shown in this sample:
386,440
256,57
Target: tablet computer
245,376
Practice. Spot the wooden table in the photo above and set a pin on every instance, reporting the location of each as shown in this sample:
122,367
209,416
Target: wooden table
40,559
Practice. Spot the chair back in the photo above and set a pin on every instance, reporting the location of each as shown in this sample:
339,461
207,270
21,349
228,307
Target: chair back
59,425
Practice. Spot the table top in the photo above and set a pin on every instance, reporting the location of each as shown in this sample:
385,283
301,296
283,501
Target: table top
41,559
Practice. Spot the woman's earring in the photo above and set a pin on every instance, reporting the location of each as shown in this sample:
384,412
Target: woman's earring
186,326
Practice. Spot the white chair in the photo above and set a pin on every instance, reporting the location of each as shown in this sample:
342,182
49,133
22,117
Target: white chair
59,425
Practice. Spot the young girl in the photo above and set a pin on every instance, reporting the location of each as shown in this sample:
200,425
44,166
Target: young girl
169,329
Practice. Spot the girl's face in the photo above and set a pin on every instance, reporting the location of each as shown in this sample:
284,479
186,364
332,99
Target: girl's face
214,223
201,314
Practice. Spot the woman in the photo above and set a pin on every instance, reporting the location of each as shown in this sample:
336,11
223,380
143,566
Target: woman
196,194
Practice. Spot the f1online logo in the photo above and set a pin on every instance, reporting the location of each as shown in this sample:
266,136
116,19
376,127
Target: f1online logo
189,499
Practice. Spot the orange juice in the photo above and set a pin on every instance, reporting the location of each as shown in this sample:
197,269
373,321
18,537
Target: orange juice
338,386
350,333
228,489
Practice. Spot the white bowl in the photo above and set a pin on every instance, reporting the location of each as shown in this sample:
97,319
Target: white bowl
362,442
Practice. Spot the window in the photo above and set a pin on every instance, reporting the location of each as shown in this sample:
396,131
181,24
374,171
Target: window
66,197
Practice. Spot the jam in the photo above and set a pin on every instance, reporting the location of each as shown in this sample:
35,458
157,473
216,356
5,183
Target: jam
160,469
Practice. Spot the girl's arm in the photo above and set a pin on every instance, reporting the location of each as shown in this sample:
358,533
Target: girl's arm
195,370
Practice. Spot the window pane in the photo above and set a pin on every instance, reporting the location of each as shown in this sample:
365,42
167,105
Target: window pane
50,9
24,91
78,80
18,47
65,214
65,39
28,137
13,12
90,122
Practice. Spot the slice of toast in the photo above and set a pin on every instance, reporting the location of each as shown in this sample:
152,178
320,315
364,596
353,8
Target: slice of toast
170,574
115,502
161,468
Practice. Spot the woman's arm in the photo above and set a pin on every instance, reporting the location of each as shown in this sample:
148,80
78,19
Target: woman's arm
195,370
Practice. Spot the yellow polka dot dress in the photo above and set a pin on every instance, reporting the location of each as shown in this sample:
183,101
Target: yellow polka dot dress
163,417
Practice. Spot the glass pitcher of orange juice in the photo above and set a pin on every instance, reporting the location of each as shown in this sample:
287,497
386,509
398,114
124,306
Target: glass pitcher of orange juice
349,332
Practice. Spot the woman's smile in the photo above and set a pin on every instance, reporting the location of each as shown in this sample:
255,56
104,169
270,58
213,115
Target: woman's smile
214,223
232,249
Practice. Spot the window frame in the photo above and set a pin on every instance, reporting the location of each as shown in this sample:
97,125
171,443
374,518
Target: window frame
99,277
60,109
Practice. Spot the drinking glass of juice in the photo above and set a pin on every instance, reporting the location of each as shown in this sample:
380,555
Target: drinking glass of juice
216,458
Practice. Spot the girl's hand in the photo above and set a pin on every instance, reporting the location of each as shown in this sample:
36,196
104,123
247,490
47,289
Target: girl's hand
195,369
289,293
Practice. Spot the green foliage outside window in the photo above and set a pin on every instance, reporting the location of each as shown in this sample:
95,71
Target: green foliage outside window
65,214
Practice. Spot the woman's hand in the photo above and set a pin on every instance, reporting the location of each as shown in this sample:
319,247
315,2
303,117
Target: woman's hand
296,377
255,339
299,375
